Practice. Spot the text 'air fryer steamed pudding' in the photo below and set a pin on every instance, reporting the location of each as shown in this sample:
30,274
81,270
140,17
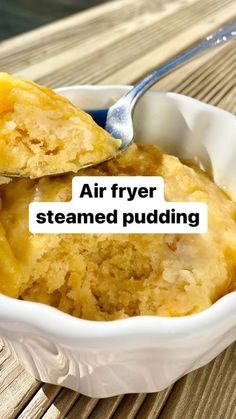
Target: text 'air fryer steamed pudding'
106,276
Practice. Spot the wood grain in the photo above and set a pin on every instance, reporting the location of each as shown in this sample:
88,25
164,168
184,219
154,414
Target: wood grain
83,408
107,407
207,393
61,404
41,401
117,43
17,386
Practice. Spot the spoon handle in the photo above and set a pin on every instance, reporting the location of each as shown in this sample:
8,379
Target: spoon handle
217,38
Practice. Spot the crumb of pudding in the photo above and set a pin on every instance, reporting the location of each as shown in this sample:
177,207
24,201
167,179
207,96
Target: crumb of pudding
41,132
112,276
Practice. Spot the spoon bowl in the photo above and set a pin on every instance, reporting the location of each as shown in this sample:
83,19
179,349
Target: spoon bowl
119,122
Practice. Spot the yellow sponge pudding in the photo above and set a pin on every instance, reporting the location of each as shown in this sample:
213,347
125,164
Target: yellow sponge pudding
113,276
42,133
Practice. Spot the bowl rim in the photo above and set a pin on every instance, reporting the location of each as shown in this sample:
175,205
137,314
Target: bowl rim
125,88
63,325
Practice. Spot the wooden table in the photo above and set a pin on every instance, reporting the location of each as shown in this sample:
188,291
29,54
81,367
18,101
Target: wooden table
119,42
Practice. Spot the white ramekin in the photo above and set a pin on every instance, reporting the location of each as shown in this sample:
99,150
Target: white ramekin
146,353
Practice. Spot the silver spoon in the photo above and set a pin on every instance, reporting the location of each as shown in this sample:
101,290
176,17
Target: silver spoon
117,120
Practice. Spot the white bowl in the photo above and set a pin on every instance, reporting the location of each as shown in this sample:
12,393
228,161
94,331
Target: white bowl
146,353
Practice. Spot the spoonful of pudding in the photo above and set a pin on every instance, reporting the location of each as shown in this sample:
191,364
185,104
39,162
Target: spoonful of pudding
42,133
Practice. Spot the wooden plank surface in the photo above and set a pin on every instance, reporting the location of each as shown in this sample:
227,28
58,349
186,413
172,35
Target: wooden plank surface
117,43
18,16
